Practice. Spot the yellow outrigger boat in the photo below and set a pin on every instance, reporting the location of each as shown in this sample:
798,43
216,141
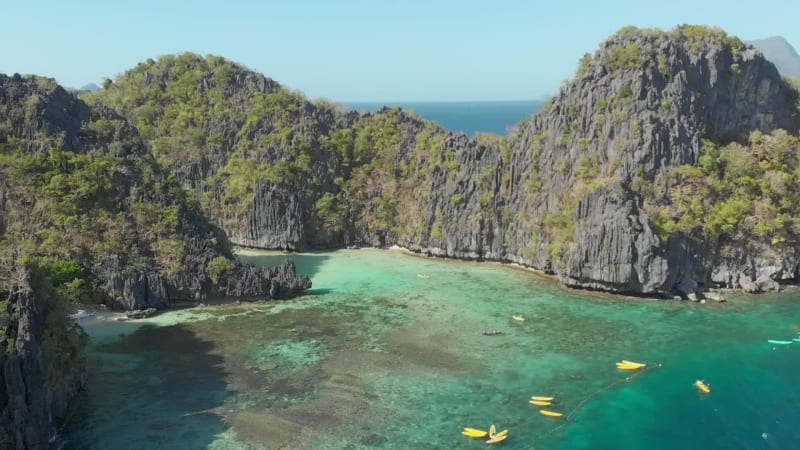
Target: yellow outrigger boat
550,413
703,386
493,433
539,403
474,433
497,439
542,399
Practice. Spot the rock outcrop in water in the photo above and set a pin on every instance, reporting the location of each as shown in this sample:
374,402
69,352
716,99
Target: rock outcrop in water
570,191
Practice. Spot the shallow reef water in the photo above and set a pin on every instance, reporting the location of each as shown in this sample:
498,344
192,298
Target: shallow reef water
387,351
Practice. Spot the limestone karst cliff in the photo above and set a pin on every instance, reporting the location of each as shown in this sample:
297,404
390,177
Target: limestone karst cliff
569,191
79,185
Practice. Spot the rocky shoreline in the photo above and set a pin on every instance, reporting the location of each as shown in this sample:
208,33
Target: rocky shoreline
716,295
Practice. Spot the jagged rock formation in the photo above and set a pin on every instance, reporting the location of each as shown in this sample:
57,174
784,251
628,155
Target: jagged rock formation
42,367
640,105
240,140
124,219
571,191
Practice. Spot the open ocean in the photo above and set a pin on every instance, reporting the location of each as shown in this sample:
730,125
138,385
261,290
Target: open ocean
469,117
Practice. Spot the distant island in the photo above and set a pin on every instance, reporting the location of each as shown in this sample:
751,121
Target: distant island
666,167
91,87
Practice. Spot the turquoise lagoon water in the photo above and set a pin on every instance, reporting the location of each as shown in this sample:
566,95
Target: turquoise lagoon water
378,357
469,117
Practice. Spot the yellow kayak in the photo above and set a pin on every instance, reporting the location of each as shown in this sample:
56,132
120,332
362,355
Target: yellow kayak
423,275
492,431
497,439
518,317
633,363
703,386
542,399
550,413
539,403
622,366
474,433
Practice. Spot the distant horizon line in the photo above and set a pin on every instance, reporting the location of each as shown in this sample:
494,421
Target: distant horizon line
389,102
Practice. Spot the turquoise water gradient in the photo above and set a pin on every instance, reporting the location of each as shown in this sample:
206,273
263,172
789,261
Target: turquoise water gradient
378,357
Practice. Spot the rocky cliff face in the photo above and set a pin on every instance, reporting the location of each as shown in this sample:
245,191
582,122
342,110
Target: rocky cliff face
247,147
86,174
641,104
41,362
568,192
572,191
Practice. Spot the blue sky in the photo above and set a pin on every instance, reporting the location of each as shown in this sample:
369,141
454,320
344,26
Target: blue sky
359,50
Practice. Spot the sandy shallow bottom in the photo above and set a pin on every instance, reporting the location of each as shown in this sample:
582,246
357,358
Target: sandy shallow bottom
386,351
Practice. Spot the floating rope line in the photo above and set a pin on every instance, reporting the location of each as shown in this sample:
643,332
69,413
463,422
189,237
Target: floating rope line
598,392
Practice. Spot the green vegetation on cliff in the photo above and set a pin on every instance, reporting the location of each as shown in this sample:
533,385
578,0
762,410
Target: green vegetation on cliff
631,47
62,345
79,207
81,193
233,136
741,191
198,112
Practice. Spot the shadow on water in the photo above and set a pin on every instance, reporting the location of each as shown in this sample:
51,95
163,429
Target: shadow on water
307,263
156,388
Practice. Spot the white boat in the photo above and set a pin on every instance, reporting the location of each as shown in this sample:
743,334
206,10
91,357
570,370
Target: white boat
80,315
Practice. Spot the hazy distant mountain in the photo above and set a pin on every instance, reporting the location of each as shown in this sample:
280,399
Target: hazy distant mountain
778,50
91,87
